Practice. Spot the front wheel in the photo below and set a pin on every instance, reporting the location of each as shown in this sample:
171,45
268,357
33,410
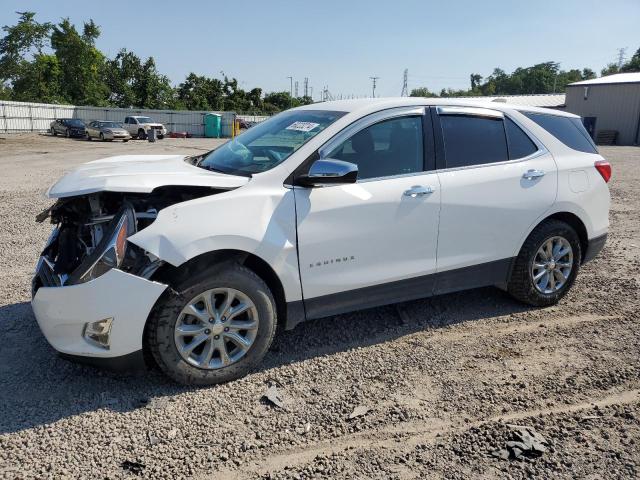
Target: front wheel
216,329
142,135
102,137
547,264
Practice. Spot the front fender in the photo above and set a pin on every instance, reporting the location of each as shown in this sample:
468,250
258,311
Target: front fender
260,221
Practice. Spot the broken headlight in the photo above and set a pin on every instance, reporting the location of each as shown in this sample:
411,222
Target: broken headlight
111,250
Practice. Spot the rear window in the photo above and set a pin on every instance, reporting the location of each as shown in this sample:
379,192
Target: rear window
470,140
569,131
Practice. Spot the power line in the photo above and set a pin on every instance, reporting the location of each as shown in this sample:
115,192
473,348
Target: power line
621,53
373,89
405,88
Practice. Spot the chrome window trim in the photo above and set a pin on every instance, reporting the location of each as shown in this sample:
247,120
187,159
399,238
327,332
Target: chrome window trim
365,122
481,112
534,155
469,111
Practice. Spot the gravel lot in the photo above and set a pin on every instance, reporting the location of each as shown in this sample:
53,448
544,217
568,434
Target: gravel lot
439,380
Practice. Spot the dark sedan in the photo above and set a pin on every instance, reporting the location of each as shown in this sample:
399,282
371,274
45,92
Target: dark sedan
69,127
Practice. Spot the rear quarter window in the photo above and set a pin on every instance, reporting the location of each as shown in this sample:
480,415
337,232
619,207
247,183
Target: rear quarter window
520,145
569,131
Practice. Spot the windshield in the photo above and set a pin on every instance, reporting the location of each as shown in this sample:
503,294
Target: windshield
144,120
73,122
269,143
110,125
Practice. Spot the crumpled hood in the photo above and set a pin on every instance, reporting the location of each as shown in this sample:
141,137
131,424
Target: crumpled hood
139,173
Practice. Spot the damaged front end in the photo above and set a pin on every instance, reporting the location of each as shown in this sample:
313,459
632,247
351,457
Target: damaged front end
91,234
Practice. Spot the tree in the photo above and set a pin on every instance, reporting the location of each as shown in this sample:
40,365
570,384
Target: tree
422,92
82,65
475,80
152,89
632,65
21,41
39,81
610,69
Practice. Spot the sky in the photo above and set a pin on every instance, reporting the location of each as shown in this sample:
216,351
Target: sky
341,44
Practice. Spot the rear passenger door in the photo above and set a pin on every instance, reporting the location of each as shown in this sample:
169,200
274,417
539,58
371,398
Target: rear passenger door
496,181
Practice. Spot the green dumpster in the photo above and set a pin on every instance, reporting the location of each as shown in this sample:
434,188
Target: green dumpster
212,123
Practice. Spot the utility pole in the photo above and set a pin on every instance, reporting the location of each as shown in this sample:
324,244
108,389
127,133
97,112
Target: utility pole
621,52
296,89
373,89
306,86
405,88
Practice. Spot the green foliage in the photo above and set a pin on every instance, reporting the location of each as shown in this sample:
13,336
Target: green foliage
422,92
82,65
40,81
632,65
21,41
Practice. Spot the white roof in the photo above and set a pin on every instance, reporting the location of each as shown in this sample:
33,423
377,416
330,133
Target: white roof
537,100
633,77
368,105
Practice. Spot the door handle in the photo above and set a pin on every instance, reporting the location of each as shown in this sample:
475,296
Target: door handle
418,191
531,174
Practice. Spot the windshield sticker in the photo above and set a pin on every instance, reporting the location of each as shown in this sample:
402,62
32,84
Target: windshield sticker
302,126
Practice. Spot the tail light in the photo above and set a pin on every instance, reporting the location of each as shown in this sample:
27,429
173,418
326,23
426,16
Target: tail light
604,168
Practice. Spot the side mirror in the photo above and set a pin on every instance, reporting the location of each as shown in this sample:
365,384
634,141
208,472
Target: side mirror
329,171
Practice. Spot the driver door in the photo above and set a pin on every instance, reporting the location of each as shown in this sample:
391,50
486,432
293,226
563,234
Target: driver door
372,242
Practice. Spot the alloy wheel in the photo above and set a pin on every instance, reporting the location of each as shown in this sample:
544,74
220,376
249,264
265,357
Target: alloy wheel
552,265
216,328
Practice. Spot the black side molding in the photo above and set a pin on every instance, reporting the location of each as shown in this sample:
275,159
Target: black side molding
593,248
475,276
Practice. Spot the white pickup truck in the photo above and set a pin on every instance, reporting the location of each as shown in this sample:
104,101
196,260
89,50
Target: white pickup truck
139,127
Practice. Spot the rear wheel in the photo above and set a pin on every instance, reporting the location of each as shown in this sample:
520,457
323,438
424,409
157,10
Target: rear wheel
141,134
547,264
102,137
217,329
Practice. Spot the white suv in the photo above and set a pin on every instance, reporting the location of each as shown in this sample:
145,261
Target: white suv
320,210
139,127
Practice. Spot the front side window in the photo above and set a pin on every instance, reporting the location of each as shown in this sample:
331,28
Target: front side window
568,130
472,140
269,143
391,147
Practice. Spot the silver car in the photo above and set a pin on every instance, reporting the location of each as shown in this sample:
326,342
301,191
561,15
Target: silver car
106,131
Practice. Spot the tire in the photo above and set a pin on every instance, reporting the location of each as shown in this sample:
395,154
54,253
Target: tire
53,132
125,140
162,341
88,136
102,137
142,135
522,285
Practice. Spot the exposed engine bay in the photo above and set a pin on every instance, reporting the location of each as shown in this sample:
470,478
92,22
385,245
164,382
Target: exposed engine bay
92,231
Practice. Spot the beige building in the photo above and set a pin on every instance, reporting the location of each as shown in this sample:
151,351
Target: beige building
610,103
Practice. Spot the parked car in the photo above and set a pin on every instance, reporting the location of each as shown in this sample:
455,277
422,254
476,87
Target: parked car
139,127
107,131
69,127
317,211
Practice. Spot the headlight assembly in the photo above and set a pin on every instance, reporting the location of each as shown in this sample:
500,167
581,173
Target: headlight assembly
111,250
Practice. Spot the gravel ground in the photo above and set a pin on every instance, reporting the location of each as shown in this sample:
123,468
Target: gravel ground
436,383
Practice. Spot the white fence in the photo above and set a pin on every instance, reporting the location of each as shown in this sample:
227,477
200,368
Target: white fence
37,117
